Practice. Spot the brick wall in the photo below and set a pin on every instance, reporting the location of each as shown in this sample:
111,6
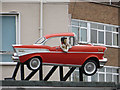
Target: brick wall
94,12
112,56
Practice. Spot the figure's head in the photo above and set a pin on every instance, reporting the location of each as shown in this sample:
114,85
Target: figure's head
64,40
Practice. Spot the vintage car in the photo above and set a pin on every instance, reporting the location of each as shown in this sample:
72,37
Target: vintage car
47,50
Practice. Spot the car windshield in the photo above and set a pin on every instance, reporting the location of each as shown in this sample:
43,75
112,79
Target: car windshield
40,41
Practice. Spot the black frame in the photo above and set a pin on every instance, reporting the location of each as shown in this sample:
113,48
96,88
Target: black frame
62,78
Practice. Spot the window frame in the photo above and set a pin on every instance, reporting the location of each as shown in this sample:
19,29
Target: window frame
18,30
89,32
44,43
79,30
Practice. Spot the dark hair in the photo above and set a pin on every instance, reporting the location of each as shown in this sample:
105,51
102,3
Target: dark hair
63,38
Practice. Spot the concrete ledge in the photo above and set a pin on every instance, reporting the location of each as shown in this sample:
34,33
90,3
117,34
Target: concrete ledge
57,84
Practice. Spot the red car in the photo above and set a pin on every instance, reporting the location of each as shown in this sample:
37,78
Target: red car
47,50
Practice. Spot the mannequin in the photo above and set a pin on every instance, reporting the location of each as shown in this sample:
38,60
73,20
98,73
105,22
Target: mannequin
64,45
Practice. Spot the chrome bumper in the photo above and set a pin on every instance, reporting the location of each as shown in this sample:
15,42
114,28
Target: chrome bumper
15,58
102,62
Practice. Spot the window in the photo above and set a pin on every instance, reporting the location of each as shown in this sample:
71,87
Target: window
10,35
96,33
101,37
72,41
76,31
115,39
80,29
108,38
105,74
41,40
83,35
93,36
112,35
56,41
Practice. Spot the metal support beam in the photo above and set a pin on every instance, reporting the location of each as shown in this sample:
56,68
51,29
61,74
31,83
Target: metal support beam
80,74
62,77
22,71
68,74
31,74
40,73
61,73
50,73
16,70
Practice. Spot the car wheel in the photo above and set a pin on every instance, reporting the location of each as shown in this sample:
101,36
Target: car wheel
89,68
34,63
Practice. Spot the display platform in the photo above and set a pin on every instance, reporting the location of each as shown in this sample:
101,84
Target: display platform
60,85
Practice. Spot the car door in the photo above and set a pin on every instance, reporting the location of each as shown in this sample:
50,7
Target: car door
73,56
53,55
58,56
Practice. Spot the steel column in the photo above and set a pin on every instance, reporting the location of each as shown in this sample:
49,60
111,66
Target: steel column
61,73
80,74
40,73
16,70
22,71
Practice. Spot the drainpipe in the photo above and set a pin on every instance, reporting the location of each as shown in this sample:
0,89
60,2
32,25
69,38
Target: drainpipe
41,18
110,2
119,40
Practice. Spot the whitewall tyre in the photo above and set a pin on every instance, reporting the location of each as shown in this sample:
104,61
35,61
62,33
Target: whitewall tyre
89,68
34,63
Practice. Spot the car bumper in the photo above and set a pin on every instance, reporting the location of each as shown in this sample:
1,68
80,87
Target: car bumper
15,58
102,62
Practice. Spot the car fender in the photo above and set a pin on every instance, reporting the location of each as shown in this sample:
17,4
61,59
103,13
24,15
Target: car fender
24,58
91,56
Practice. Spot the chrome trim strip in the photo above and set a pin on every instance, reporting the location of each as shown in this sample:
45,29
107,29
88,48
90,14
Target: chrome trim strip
58,52
75,52
25,51
103,60
33,52
61,64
